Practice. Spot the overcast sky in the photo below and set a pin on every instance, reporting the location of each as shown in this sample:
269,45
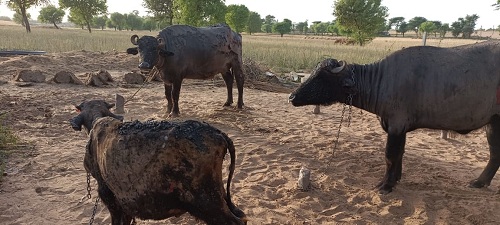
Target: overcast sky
446,11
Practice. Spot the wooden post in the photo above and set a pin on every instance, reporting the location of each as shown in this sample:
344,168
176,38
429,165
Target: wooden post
316,109
120,104
424,38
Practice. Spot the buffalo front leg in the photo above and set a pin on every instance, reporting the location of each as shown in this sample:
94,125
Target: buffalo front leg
394,162
176,90
228,79
168,96
118,216
493,136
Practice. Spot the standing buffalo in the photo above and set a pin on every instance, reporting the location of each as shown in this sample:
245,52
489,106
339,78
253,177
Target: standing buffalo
155,170
182,51
418,87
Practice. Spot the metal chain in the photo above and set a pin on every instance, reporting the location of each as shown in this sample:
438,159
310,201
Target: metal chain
347,102
349,116
94,211
89,196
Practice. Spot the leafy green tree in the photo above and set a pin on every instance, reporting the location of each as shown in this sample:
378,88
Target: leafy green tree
18,18
456,28
109,24
133,21
428,27
464,26
237,17
443,29
162,10
100,21
282,27
363,18
395,22
51,14
320,28
118,20
270,19
76,19
403,28
414,23
300,27
468,25
201,12
20,7
333,29
86,10
149,24
438,25
254,22
497,5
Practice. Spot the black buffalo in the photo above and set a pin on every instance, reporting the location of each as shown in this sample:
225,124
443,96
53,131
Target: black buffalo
418,87
182,51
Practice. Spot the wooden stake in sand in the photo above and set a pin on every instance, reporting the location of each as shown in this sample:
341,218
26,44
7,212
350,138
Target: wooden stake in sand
120,104
316,109
304,179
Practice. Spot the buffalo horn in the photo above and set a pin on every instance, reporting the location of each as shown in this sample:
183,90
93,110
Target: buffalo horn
133,39
340,68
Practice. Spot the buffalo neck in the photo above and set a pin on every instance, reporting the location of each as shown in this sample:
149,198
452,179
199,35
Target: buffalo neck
367,79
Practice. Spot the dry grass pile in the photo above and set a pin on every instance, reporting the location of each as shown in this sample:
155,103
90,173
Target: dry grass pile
260,77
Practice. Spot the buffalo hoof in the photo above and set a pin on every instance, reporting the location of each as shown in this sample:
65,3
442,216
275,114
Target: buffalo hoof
384,188
173,115
476,184
227,104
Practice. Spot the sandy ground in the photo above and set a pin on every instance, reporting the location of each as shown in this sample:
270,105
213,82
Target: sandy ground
45,179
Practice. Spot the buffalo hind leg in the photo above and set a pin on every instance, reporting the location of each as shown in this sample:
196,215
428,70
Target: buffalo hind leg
209,205
118,217
394,162
493,136
240,81
168,96
228,79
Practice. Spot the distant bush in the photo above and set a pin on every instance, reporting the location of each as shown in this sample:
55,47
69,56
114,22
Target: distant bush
5,18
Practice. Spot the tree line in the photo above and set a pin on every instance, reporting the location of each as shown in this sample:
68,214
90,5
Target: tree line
360,20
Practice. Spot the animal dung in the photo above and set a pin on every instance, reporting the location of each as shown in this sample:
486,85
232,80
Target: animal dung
304,179
35,76
134,78
102,77
65,77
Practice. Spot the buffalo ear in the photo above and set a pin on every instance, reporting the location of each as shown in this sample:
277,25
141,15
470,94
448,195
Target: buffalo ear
78,108
165,53
132,51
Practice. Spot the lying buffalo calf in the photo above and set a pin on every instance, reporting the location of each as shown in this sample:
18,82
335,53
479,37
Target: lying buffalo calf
158,169
418,87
